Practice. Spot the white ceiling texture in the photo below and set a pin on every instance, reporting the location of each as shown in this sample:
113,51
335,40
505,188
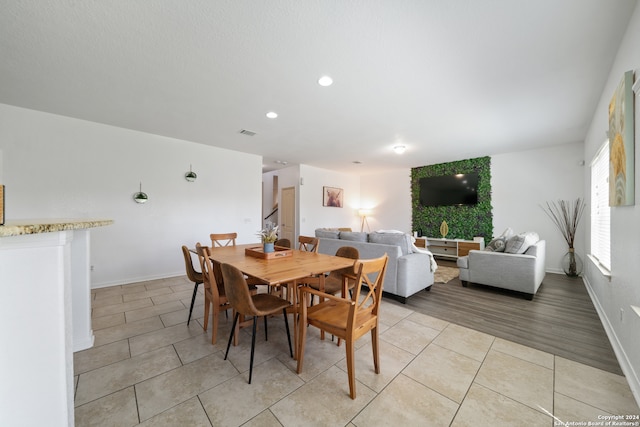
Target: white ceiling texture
450,79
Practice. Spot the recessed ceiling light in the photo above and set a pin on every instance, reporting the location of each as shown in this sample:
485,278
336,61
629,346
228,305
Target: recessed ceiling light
272,114
325,81
399,149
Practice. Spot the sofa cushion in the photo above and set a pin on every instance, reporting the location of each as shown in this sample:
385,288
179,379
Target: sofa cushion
353,236
404,241
327,234
519,243
497,245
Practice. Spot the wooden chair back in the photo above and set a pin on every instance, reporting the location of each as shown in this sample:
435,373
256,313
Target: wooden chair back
309,244
370,273
345,252
223,239
285,243
192,274
208,277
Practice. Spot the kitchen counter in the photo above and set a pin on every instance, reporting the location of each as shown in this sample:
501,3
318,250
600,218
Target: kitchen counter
45,315
37,226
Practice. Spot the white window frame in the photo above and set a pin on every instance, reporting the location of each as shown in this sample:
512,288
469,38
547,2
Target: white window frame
600,210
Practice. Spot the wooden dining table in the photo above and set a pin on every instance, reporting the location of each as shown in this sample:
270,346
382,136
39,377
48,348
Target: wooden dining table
286,271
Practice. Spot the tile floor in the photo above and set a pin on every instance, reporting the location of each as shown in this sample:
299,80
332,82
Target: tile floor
148,368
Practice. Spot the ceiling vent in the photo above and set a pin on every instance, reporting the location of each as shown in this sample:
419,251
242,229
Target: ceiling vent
247,132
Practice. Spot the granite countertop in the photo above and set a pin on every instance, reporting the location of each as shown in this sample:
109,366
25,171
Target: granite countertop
33,226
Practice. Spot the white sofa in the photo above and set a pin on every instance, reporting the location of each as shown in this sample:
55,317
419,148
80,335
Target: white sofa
517,272
408,272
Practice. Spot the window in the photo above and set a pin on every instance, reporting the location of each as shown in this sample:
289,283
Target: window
600,211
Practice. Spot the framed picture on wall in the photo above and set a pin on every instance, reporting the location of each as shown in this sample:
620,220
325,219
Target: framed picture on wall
1,204
621,144
332,197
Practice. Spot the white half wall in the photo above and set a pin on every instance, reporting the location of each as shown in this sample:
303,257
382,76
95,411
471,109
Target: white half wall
59,167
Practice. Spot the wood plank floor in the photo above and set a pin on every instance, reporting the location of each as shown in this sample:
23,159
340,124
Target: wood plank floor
560,320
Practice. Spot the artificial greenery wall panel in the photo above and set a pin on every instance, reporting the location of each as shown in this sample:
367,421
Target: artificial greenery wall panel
465,222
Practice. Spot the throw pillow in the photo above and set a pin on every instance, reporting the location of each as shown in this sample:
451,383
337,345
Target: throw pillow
353,236
497,245
519,243
507,234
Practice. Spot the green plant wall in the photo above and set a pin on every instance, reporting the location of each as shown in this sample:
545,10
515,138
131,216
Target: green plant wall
465,222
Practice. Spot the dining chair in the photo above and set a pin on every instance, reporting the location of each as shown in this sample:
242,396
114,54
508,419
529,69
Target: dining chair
309,244
347,318
285,243
223,239
257,305
193,275
338,280
214,290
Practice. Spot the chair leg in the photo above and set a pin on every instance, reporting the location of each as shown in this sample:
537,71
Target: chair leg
286,326
376,352
207,303
301,340
214,326
193,300
351,367
253,347
266,338
233,329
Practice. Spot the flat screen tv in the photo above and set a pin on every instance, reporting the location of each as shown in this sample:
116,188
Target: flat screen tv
449,190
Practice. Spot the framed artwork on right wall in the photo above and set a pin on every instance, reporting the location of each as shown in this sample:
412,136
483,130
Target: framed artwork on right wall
621,144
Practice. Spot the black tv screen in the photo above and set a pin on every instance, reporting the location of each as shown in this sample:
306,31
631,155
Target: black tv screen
448,190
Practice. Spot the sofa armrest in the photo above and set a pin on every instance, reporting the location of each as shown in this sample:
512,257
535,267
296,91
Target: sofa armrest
414,274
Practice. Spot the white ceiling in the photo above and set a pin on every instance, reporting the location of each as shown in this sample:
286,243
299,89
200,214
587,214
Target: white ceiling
450,79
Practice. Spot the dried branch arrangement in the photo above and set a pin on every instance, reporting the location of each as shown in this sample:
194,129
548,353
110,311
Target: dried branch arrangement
566,215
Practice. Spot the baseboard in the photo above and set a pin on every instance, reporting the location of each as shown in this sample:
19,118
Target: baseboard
135,280
625,364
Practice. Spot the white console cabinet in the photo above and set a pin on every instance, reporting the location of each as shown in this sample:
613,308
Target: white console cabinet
450,248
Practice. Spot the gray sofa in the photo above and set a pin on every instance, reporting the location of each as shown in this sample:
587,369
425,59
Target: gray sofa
517,272
408,272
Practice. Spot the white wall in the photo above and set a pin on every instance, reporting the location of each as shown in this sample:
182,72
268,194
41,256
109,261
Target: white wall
523,182
313,215
59,167
623,290
388,195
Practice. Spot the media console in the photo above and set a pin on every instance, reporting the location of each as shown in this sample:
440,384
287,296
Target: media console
450,248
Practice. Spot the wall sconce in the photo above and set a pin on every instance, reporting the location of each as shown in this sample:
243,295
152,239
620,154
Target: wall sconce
364,213
190,176
140,197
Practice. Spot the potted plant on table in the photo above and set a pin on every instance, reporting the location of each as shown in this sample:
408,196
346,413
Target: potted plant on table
566,216
268,236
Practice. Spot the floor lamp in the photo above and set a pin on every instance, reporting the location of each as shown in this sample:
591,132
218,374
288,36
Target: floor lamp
363,213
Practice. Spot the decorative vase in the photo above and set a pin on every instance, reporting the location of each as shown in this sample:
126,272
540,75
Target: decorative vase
444,229
572,263
268,247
